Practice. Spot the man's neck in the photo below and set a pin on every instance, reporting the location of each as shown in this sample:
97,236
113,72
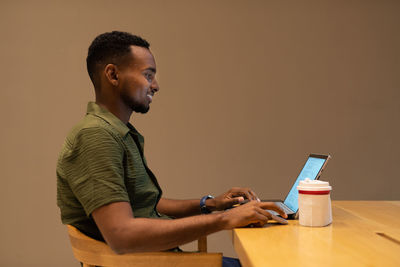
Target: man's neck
119,110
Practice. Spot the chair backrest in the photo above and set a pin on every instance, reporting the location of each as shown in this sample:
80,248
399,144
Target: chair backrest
92,252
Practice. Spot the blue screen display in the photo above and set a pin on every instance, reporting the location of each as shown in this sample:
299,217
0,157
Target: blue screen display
310,170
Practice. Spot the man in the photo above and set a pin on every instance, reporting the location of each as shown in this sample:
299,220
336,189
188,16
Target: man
104,185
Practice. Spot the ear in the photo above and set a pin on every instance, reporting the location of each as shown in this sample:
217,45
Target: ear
111,72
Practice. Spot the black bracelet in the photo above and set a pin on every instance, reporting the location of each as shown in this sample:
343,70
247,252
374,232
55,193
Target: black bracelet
203,206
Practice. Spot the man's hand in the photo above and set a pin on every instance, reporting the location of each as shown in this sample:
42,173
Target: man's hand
234,196
253,212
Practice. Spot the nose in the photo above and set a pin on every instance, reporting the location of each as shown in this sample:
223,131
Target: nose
154,86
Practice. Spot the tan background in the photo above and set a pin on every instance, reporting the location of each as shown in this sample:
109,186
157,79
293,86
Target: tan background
248,89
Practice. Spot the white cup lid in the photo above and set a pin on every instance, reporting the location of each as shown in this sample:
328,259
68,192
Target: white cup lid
313,185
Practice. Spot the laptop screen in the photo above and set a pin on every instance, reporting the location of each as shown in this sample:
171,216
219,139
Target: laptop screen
310,170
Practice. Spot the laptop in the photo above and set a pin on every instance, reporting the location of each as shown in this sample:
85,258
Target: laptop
312,169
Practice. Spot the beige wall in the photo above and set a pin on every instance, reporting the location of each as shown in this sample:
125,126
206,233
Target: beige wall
248,89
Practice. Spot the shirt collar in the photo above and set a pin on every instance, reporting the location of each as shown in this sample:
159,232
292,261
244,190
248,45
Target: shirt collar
96,110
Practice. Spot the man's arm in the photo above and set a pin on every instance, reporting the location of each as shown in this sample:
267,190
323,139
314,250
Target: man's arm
184,208
124,233
180,208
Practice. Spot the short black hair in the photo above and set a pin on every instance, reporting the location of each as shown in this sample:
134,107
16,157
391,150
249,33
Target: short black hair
111,48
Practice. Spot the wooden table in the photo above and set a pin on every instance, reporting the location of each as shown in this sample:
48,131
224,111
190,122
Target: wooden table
363,233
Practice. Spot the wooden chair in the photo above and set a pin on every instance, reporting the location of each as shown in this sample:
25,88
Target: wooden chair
96,253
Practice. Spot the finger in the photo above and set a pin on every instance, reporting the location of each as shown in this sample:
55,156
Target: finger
274,207
264,213
244,193
250,194
257,221
261,224
234,201
254,195
239,200
258,224
261,218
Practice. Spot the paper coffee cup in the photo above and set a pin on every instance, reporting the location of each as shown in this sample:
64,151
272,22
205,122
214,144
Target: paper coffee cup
314,203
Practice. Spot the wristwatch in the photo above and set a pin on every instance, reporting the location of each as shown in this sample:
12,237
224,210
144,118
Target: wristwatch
203,206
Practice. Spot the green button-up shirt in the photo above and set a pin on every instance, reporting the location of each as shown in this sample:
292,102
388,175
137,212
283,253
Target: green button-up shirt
101,162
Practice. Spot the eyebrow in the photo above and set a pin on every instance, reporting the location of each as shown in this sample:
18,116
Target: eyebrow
152,69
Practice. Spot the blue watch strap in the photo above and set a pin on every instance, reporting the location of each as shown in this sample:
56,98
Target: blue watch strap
203,206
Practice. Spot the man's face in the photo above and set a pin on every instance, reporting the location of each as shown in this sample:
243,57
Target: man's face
137,80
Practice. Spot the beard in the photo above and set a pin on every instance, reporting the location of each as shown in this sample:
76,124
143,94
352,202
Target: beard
135,105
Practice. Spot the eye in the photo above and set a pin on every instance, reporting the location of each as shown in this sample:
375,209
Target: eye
149,76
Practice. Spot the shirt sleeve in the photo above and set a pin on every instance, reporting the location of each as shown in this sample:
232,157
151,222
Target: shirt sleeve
95,169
